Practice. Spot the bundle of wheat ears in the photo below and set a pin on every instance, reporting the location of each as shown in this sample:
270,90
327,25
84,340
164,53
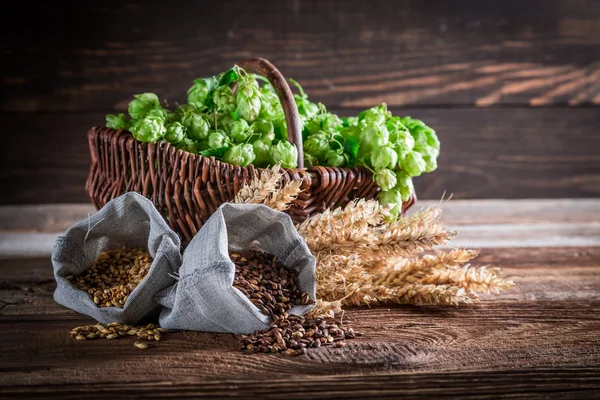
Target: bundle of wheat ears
364,260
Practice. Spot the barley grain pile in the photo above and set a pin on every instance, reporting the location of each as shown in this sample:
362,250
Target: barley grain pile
113,275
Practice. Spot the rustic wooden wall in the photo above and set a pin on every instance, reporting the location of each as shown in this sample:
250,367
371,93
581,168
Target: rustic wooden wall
511,86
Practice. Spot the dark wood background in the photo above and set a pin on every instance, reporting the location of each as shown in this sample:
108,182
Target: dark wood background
511,86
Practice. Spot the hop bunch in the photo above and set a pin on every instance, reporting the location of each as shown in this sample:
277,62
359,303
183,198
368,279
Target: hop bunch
233,118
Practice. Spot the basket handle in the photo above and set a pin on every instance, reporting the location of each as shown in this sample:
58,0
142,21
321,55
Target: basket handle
263,67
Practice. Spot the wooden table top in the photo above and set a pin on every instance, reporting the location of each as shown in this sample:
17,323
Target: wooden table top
538,339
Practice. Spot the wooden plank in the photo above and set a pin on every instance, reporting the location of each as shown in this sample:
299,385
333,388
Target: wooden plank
486,153
30,231
542,335
563,383
58,217
26,245
536,52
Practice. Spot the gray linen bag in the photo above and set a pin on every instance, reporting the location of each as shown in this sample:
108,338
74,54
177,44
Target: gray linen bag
130,220
204,299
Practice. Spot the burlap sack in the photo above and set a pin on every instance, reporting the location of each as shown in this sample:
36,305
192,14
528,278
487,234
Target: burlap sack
130,220
204,299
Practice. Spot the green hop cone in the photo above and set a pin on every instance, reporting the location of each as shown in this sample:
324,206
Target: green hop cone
188,145
240,130
334,159
384,157
151,128
224,99
240,154
263,128
224,123
371,137
317,144
199,93
432,139
331,122
248,98
412,123
403,143
430,163
197,126
217,139
385,179
175,132
142,104
262,150
116,121
430,155
310,161
393,199
270,106
307,109
324,121
280,129
404,185
413,163
375,115
394,126
183,110
286,153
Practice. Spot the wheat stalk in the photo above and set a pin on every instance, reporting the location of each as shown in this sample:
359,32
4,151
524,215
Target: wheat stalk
394,271
325,309
362,260
472,279
282,198
267,188
261,187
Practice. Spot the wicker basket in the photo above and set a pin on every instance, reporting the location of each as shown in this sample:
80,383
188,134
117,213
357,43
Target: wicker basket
187,188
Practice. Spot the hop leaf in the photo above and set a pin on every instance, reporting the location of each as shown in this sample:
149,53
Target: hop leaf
230,76
306,108
217,152
116,121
